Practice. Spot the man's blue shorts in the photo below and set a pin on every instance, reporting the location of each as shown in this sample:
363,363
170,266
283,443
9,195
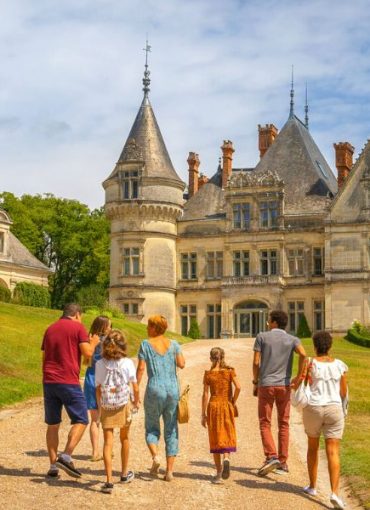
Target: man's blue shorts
68,395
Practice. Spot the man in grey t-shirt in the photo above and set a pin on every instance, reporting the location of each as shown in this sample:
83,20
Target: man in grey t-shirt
272,370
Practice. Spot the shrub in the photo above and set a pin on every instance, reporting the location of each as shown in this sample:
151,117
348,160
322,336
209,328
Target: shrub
92,296
31,294
5,294
110,311
356,338
303,330
194,331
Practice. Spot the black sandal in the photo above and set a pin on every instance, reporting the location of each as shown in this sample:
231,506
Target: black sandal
107,488
226,469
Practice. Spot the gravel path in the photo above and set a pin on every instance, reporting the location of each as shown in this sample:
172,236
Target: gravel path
24,461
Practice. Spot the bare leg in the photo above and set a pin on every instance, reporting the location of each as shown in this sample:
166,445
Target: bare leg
125,449
170,463
153,448
74,437
52,442
94,432
217,459
107,453
313,459
332,454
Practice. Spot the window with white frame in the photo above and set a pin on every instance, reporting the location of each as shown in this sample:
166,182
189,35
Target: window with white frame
296,262
187,312
295,313
269,214
318,261
269,262
130,308
241,216
240,263
131,261
214,264
318,315
189,266
130,184
213,321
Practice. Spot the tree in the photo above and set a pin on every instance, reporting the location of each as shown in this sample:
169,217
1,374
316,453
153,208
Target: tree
67,237
194,331
303,330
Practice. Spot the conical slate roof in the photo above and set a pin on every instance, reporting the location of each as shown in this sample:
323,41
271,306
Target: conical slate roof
295,157
147,137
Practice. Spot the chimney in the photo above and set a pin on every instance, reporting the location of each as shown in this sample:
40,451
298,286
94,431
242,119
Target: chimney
227,161
266,137
202,180
193,162
343,160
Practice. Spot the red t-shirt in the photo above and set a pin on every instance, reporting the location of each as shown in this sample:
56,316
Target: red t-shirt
62,359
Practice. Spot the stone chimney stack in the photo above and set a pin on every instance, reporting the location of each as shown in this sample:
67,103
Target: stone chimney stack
266,137
227,161
193,162
343,160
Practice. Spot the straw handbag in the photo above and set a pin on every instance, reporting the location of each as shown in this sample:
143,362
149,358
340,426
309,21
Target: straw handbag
183,411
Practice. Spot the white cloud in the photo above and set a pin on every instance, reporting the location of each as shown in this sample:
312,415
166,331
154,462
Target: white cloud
71,81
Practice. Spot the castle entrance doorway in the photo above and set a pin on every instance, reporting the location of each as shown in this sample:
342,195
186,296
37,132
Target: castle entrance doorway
250,318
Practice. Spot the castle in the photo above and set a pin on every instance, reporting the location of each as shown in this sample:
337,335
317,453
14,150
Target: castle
286,234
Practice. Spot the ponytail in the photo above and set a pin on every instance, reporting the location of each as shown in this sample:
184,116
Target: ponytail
217,356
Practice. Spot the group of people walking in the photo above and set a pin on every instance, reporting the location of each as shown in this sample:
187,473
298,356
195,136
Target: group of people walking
111,396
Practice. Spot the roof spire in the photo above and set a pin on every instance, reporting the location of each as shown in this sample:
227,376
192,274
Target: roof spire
306,110
291,113
146,79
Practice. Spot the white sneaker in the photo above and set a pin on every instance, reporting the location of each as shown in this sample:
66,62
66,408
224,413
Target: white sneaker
310,491
337,502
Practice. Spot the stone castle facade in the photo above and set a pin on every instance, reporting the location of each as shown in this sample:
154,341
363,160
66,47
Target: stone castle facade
285,234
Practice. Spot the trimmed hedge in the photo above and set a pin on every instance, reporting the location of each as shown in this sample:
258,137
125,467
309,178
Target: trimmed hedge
5,294
303,330
355,337
194,331
31,294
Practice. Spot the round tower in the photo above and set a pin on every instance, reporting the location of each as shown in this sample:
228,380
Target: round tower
143,200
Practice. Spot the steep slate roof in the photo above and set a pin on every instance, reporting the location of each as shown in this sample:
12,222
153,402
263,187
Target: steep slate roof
208,202
20,255
295,157
147,135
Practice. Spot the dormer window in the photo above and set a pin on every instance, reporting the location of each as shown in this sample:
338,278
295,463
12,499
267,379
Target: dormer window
269,213
241,216
130,184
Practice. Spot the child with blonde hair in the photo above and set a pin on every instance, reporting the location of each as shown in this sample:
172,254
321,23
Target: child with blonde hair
219,411
115,374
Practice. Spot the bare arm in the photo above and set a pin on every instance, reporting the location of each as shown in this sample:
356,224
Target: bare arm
256,365
343,386
135,389
237,389
180,360
300,350
87,348
140,371
205,397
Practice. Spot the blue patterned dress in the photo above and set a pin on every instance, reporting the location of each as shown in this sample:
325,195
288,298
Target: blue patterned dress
161,395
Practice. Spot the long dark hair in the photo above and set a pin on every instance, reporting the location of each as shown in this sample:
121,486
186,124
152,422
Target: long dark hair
100,325
217,356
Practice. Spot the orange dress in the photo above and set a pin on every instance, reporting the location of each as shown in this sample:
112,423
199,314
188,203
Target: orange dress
220,411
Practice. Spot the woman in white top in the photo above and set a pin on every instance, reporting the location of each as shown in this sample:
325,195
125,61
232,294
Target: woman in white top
324,412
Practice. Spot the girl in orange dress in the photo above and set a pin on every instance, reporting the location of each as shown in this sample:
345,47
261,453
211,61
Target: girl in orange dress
219,411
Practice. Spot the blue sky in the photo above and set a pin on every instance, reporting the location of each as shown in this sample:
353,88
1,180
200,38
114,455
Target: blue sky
70,82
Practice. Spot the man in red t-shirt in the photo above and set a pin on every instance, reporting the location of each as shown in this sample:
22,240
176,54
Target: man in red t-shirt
62,346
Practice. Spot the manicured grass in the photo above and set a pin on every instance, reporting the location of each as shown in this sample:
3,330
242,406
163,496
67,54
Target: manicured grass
355,449
21,333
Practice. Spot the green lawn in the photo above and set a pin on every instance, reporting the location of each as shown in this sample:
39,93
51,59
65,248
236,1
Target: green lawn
21,332
355,454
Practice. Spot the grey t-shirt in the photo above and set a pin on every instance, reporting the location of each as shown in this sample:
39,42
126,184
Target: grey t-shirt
277,350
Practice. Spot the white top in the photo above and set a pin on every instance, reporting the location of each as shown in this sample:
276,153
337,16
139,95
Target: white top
325,386
125,365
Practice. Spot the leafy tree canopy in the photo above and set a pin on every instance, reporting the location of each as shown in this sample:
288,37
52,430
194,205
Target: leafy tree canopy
66,236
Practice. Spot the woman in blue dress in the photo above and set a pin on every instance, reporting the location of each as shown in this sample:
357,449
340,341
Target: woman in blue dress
160,356
100,327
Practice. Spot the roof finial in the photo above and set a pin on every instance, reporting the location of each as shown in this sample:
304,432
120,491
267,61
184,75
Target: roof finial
306,110
291,114
146,79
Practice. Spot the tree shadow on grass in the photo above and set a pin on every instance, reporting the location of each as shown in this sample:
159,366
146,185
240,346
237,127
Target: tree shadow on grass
279,486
